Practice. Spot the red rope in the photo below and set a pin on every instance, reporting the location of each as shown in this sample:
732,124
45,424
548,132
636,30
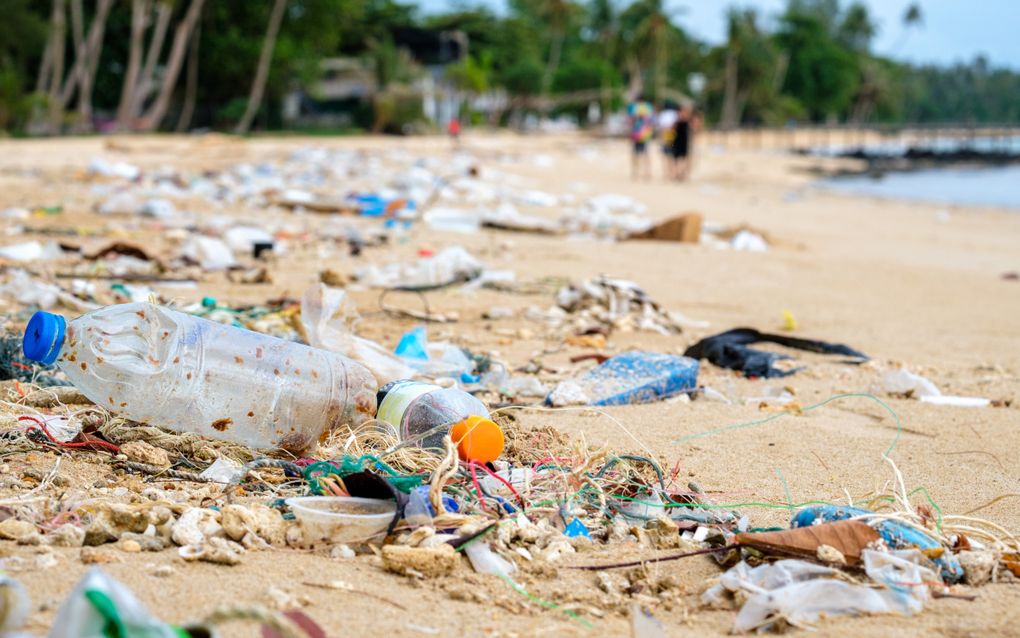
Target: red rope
543,461
478,487
89,442
504,482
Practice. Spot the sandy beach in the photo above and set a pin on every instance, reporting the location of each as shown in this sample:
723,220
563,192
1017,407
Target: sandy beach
911,285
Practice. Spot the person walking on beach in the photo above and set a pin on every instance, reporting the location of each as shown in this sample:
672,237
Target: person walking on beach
665,122
687,123
453,130
641,133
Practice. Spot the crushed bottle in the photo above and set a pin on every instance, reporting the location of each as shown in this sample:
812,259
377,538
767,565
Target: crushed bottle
159,366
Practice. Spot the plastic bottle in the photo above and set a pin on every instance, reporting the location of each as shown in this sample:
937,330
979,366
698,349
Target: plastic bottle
628,378
188,374
419,411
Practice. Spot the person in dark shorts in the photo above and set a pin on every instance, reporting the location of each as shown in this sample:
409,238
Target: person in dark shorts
682,133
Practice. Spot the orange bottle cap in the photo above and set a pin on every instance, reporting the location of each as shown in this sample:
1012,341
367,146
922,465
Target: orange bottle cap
478,439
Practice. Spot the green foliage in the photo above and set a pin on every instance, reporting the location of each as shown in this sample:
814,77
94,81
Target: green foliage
581,72
472,74
815,64
392,64
22,39
821,74
523,77
397,110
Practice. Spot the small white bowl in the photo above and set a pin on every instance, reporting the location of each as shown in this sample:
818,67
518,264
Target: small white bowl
341,519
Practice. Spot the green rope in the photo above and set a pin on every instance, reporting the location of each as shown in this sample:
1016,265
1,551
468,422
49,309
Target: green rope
351,465
773,417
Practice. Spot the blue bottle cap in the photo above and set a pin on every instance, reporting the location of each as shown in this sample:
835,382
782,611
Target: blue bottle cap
44,336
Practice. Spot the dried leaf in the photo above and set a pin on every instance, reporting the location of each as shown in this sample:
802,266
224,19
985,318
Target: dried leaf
849,537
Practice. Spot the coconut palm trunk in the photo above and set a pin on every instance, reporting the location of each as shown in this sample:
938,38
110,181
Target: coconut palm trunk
139,13
146,82
90,65
191,85
154,115
55,110
730,117
258,85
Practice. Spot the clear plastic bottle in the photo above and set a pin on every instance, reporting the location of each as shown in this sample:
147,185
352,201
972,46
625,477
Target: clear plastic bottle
167,368
424,414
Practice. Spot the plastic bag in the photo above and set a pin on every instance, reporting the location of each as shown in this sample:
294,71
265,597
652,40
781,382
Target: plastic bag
433,360
903,381
209,252
244,238
450,266
29,291
327,315
223,470
801,592
32,251
486,561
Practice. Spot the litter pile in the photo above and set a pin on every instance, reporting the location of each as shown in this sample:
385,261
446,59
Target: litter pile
226,429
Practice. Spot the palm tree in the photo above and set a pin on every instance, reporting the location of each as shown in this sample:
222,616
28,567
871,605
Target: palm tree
604,22
913,18
58,21
139,14
191,84
90,51
258,85
652,30
154,115
753,68
146,79
556,13
87,50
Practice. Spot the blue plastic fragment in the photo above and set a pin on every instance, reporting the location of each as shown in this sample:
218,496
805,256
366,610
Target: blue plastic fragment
449,504
507,506
638,377
371,205
895,534
576,528
413,345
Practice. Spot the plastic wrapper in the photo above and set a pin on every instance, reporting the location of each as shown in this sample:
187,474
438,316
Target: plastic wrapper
450,266
433,360
486,561
800,592
328,316
209,252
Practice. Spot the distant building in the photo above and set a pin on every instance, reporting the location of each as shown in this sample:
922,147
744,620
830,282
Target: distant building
343,93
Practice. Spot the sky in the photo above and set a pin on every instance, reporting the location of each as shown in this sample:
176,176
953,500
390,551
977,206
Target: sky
953,30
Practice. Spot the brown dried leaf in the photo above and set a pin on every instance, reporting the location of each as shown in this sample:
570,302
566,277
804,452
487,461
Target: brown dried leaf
849,537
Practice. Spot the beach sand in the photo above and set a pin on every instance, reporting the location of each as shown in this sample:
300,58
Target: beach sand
909,284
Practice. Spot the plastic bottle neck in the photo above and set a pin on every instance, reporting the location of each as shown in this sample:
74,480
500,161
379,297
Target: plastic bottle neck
44,337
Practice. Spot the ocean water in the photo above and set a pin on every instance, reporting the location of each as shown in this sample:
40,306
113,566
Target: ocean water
996,186
897,147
